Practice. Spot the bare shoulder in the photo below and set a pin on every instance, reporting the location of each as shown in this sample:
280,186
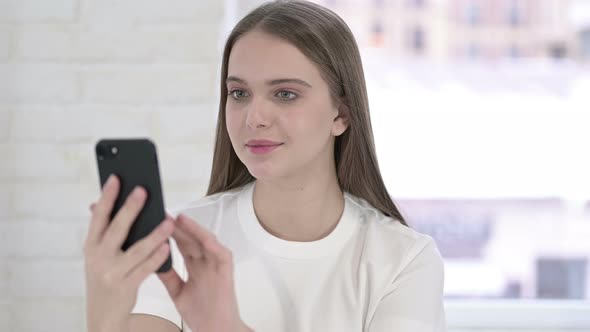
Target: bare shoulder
150,323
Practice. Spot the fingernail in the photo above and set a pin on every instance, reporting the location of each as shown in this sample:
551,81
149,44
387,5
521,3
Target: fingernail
137,192
110,180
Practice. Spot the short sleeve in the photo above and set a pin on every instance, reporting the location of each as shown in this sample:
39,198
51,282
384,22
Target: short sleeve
153,298
413,302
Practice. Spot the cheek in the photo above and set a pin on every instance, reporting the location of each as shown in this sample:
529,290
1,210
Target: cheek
231,115
232,122
315,122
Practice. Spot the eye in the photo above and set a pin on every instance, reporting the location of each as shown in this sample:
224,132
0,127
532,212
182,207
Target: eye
286,95
238,94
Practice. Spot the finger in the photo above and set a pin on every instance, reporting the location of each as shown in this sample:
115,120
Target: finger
189,247
193,229
212,249
218,253
144,248
102,210
119,228
174,284
149,266
92,206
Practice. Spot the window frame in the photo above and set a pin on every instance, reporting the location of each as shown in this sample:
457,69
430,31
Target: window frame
518,314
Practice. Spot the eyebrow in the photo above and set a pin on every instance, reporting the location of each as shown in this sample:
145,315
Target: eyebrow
271,82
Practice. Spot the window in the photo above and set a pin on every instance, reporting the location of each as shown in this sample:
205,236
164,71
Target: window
560,278
515,13
585,43
557,51
473,51
472,12
514,52
416,3
377,34
417,42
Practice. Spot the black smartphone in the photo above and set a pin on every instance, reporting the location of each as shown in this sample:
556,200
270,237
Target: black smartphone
135,163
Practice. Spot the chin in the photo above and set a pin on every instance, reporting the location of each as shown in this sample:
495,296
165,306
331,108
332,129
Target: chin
264,168
261,172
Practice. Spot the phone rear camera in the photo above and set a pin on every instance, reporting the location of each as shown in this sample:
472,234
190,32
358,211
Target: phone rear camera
106,152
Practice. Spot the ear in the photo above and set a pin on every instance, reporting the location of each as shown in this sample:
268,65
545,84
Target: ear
342,120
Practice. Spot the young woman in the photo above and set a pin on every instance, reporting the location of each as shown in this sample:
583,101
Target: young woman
297,231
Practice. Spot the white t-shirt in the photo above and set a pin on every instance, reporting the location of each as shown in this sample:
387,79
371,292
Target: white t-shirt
370,274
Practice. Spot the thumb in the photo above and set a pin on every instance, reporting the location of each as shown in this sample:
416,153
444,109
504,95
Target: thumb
172,281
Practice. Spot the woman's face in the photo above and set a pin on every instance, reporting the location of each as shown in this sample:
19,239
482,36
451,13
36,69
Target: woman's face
280,115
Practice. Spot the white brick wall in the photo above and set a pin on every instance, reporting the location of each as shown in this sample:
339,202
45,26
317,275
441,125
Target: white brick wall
33,11
5,43
149,85
38,83
71,72
46,315
5,120
168,44
131,12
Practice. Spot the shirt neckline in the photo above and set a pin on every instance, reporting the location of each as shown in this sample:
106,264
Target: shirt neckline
271,244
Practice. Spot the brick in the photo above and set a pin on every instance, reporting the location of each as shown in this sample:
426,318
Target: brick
38,11
178,44
46,278
191,124
150,85
80,124
54,201
4,277
172,45
6,193
186,163
48,315
5,122
38,162
177,195
6,314
37,83
45,42
5,44
110,13
184,171
42,239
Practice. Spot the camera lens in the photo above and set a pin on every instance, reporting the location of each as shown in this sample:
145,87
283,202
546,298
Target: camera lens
114,150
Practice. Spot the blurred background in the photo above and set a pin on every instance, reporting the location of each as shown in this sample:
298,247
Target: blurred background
480,111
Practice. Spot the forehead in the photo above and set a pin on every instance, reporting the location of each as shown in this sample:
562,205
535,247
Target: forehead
258,56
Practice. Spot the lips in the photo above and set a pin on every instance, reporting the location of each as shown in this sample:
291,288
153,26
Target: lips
262,146
262,143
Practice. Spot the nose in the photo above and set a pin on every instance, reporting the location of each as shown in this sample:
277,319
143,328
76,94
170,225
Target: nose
259,115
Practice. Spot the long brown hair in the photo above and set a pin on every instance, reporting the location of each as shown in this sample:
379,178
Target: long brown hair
327,41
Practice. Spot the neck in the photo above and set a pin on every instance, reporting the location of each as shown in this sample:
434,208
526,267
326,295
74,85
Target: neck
304,209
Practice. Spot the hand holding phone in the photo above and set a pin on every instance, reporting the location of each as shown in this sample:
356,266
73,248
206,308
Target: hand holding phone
127,238
135,163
